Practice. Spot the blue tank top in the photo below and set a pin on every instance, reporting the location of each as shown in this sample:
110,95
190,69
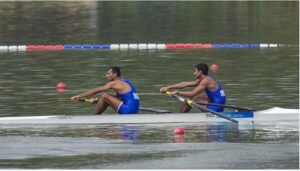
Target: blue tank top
217,96
130,97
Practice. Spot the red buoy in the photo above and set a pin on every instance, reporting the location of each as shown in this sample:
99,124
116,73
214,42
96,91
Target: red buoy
61,85
214,68
178,130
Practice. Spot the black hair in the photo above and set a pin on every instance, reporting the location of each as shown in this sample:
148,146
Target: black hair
116,70
202,67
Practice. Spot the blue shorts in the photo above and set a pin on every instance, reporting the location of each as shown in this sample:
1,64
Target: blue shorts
128,109
216,108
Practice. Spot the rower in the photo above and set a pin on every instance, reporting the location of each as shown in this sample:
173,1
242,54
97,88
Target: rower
126,101
214,91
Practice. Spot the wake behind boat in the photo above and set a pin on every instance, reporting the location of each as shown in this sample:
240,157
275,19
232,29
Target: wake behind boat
272,114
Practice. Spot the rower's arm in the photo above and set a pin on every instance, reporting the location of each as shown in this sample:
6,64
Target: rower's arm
197,90
97,90
183,85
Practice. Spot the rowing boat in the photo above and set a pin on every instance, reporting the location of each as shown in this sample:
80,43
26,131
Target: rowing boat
273,114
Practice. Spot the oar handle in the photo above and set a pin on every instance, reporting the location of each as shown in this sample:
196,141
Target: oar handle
91,101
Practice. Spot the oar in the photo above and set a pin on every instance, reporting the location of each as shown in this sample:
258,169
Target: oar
191,103
141,108
154,110
228,106
87,100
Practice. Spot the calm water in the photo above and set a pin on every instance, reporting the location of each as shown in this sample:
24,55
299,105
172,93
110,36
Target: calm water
204,146
257,78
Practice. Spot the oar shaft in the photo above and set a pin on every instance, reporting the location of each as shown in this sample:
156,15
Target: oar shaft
141,108
154,110
227,106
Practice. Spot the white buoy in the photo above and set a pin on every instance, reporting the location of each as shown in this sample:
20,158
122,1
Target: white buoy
22,48
12,48
273,45
133,46
142,46
161,46
263,45
114,46
3,48
124,46
151,46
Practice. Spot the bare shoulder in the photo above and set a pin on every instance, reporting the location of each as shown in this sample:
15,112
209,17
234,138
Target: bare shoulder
205,80
111,84
121,86
118,84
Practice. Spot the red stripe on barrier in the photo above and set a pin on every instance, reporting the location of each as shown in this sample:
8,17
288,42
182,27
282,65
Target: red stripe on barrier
188,45
49,47
53,47
207,46
179,46
30,47
198,45
59,47
170,46
40,47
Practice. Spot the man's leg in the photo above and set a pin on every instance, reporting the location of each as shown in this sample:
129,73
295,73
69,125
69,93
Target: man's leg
185,108
107,100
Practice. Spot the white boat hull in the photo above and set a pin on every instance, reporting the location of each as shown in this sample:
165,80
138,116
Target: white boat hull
273,114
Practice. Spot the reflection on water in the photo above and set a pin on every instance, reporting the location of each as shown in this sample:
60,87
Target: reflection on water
124,145
163,133
129,132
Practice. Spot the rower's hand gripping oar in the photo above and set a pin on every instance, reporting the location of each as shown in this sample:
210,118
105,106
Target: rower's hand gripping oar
191,103
93,100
